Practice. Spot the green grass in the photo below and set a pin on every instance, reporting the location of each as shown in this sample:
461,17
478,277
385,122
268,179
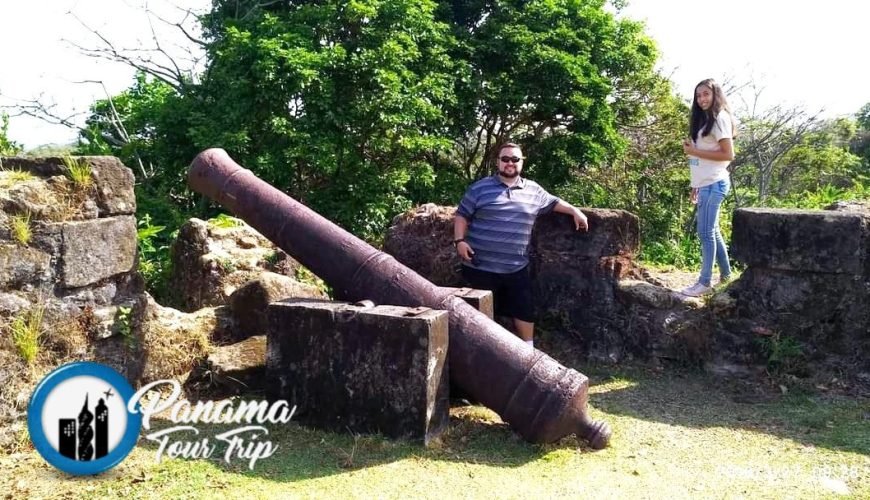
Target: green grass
79,171
676,435
20,227
225,221
26,331
9,178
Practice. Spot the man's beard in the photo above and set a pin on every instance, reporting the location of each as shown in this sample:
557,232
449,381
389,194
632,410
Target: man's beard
515,173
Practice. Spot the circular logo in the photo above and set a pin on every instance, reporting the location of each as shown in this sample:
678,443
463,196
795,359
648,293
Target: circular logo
79,421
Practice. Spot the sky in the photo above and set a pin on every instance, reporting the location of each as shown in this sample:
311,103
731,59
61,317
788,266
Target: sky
801,53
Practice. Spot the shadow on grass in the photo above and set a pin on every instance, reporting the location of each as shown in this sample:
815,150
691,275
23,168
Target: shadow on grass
475,435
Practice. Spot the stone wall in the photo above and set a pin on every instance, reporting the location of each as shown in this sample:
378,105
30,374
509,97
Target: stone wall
83,245
804,294
807,282
575,272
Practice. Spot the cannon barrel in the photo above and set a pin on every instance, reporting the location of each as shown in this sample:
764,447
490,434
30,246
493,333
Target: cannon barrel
542,400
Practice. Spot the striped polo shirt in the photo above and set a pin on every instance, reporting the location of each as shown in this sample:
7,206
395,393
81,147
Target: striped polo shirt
500,222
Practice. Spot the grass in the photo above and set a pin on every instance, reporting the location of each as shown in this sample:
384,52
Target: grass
679,434
9,178
225,221
79,171
20,227
26,332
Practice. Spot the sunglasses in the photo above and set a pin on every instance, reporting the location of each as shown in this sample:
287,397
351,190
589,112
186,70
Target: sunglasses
510,159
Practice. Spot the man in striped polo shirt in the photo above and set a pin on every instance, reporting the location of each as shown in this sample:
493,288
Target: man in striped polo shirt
492,230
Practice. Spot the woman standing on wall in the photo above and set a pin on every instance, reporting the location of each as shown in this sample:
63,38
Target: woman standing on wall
710,150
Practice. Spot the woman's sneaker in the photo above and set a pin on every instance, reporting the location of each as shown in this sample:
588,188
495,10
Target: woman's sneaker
696,290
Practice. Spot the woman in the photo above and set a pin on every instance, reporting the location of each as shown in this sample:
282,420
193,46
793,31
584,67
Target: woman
710,150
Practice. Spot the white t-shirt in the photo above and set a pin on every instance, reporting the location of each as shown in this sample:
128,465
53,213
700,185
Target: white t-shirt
706,172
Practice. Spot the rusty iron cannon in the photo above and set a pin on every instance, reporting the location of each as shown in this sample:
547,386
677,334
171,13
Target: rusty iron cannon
542,400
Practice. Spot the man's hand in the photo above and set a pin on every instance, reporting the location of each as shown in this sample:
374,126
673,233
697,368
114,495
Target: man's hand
694,196
465,251
580,221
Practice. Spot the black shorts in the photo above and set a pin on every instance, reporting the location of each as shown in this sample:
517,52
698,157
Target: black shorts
512,293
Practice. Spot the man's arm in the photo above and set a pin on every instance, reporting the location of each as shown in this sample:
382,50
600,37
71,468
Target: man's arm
460,227
580,221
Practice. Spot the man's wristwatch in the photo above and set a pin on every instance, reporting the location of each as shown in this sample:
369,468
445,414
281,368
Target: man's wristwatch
457,242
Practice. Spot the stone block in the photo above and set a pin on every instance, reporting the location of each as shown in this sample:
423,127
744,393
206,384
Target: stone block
114,185
20,266
97,249
11,304
377,369
611,232
801,240
481,300
113,181
250,302
422,239
237,368
827,314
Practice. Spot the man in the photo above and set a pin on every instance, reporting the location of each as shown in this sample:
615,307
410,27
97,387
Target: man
492,229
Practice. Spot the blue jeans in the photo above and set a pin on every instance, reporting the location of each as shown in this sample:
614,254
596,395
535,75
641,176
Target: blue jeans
712,244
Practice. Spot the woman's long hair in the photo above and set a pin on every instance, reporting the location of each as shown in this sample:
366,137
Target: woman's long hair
703,121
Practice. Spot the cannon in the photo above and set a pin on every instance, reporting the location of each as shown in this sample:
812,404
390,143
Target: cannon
539,398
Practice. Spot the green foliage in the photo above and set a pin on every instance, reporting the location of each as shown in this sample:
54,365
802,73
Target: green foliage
225,221
26,332
558,77
682,253
154,262
45,150
784,354
273,258
304,275
79,171
20,227
362,109
124,323
863,117
7,147
226,264
337,103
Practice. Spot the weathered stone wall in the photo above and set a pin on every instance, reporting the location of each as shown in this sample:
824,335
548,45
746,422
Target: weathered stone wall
575,272
806,287
83,246
808,280
78,268
210,262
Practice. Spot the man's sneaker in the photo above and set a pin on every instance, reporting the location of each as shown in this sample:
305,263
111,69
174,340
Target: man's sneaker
724,281
696,290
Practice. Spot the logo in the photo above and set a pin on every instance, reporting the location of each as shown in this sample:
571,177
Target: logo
79,420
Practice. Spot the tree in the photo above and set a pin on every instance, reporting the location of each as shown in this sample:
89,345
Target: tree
556,76
362,108
765,136
339,103
861,143
821,159
7,146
